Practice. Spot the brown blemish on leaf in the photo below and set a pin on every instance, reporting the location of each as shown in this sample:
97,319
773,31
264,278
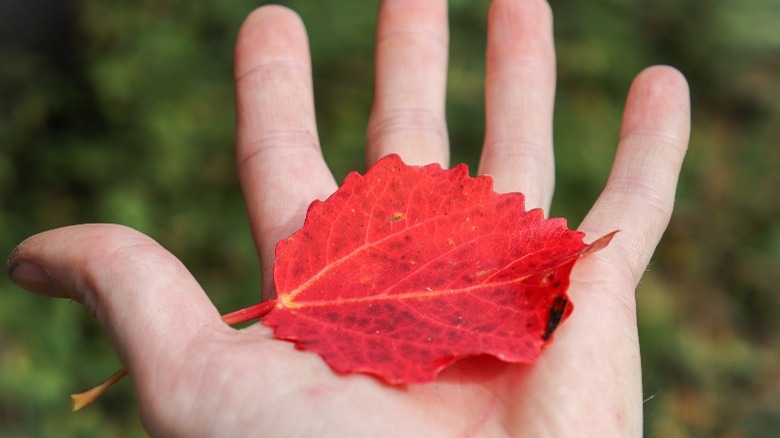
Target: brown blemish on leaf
397,216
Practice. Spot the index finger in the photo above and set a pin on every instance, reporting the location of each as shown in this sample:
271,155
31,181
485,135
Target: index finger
279,160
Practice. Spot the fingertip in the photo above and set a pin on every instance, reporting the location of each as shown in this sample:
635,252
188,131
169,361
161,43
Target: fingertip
665,74
27,272
33,278
658,101
270,15
269,32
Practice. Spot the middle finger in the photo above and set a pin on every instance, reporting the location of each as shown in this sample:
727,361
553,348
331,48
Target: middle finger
410,85
519,95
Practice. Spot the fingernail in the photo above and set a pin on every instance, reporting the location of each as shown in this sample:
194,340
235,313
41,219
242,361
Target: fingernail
31,277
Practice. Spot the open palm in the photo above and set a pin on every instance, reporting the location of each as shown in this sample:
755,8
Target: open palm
195,376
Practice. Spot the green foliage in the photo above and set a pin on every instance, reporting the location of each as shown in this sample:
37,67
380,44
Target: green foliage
122,112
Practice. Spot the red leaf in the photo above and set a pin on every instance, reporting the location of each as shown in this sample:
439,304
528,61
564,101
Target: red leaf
407,269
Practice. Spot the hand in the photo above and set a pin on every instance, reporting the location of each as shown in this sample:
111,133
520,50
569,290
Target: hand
195,376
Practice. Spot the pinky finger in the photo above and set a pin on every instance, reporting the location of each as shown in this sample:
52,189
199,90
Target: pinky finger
640,192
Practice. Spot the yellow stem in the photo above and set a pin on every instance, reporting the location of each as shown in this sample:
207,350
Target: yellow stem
85,398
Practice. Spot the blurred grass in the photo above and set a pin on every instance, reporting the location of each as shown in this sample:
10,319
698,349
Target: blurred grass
122,112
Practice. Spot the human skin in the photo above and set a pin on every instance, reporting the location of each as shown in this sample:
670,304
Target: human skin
195,376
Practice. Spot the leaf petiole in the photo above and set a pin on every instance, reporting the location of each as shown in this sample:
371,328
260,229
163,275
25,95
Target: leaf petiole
250,313
79,401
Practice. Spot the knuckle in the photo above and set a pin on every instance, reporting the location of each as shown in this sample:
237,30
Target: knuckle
407,120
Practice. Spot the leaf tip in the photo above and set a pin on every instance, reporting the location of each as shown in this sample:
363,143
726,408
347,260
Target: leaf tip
599,244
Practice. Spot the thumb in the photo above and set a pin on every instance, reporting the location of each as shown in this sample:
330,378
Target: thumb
143,296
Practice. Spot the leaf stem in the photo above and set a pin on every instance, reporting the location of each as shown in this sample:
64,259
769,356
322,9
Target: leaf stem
79,401
250,313
256,311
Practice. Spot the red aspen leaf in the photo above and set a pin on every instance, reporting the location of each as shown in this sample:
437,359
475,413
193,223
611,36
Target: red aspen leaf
407,269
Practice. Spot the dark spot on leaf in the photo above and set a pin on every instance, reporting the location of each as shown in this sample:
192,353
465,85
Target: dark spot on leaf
395,246
402,317
557,310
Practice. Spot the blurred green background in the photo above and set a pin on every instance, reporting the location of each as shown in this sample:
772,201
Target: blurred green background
122,112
